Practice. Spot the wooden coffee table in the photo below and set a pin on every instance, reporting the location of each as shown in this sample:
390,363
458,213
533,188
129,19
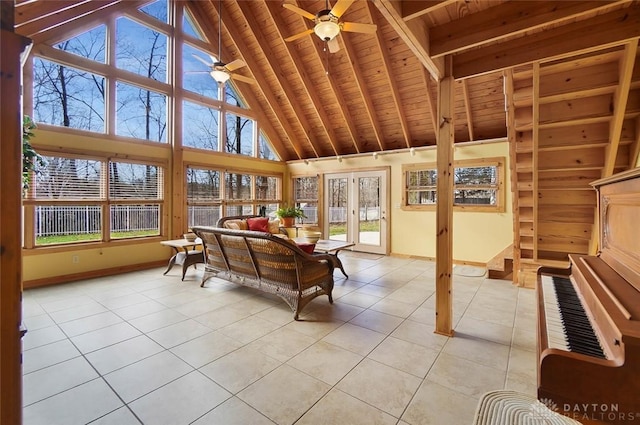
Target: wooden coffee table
186,254
331,247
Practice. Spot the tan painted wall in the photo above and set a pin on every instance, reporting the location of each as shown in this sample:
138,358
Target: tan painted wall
477,236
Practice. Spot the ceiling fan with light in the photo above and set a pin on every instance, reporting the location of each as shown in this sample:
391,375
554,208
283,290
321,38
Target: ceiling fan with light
220,71
328,24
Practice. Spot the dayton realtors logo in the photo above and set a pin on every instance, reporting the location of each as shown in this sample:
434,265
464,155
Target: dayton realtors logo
546,409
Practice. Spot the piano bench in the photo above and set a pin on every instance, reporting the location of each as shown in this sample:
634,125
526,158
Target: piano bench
514,408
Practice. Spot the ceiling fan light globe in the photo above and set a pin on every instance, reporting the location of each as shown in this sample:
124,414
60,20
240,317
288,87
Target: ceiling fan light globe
220,76
326,30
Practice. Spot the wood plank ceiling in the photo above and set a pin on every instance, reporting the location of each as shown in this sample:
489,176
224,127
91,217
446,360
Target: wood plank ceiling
379,91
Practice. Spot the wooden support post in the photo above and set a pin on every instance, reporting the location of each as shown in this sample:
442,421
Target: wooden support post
444,208
12,47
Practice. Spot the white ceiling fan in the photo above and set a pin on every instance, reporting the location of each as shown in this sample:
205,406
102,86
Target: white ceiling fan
328,24
220,71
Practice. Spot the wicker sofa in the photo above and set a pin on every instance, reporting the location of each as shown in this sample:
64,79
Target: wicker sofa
267,262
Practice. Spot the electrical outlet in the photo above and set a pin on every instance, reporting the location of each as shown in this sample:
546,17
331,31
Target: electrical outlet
75,259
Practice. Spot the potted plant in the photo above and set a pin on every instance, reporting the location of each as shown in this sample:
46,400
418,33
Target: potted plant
30,158
288,215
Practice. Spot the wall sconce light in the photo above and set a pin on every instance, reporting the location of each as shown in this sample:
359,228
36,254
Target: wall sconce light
375,155
339,158
306,161
412,151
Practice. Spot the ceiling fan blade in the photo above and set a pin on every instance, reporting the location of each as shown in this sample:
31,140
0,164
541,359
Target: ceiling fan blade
233,65
299,35
333,45
299,11
357,27
238,77
341,7
202,60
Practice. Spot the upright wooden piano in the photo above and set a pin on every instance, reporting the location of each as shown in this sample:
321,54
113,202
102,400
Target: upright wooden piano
589,317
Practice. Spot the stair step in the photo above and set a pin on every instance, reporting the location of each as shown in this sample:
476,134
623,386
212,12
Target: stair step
501,266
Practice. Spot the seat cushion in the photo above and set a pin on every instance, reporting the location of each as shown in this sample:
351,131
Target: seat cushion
307,247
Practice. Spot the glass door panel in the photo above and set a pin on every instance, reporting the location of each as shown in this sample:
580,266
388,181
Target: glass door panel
337,205
369,210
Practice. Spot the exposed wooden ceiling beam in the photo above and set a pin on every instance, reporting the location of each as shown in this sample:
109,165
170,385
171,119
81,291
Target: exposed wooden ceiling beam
467,108
274,64
275,10
619,107
28,12
366,97
414,33
595,33
415,9
431,105
505,20
395,92
634,151
262,83
83,16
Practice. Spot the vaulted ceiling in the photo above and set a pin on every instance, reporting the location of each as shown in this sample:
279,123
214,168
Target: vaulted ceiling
378,91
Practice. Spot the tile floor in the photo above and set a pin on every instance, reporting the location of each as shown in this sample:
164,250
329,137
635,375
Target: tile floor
143,348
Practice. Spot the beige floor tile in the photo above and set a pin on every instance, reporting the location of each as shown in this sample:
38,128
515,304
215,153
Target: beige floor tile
249,329
234,412
478,350
206,348
104,337
395,308
434,404
181,298
282,344
90,323
338,407
378,291
121,416
180,402
317,329
67,302
465,376
123,354
139,310
355,338
523,363
199,306
420,333
525,339
73,313
55,379
486,330
359,299
157,320
239,369
221,317
326,362
144,376
380,385
178,333
415,359
43,336
377,321
38,321
320,310
48,355
77,406
275,397
121,301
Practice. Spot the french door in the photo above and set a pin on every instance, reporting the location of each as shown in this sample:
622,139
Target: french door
355,209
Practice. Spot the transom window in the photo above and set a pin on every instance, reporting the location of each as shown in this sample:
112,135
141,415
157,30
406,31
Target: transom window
478,185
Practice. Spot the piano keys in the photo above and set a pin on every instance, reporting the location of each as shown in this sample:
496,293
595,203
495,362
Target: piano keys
589,317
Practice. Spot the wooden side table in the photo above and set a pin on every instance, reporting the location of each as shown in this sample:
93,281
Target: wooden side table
186,254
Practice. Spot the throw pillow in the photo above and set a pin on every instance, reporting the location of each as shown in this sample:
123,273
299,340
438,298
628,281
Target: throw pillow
274,226
307,247
234,226
258,224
